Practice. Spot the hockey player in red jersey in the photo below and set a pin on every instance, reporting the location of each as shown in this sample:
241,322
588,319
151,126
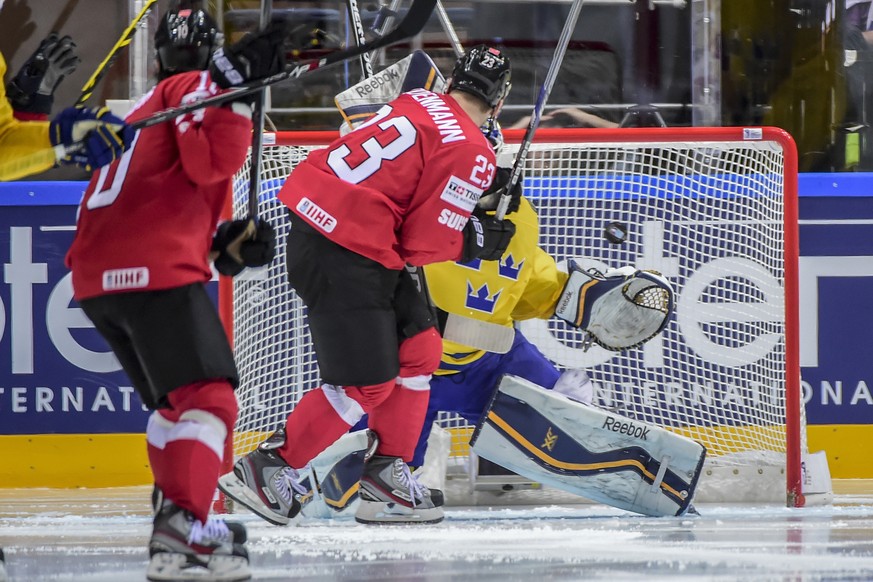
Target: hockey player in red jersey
400,189
145,235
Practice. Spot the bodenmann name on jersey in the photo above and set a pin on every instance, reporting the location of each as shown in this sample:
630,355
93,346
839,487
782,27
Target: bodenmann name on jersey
441,114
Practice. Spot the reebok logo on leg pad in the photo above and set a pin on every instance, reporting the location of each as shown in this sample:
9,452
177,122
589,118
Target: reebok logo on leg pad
624,427
582,449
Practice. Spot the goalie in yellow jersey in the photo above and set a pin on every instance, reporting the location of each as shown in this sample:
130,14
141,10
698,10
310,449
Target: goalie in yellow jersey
524,284
490,373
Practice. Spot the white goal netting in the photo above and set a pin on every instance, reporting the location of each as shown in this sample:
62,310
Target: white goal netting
705,208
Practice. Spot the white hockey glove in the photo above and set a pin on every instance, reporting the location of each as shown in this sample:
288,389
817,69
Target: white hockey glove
620,309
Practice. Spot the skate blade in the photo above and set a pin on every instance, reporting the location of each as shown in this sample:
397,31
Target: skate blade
383,513
234,488
164,566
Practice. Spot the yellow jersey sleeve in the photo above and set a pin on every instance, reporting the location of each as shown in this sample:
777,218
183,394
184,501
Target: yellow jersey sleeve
25,147
542,290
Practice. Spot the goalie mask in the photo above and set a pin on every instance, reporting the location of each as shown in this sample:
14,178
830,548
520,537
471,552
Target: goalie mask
494,134
484,72
185,40
620,309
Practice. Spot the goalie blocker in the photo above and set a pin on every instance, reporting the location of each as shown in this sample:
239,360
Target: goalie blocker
581,449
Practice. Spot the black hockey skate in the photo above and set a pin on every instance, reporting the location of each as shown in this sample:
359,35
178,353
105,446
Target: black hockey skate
390,493
183,548
263,482
240,536
339,487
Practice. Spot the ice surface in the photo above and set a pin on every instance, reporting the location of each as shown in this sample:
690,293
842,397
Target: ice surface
94,535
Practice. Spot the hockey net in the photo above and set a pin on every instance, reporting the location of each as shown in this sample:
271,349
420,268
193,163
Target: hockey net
713,209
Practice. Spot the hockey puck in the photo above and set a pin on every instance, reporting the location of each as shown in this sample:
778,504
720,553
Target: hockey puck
615,232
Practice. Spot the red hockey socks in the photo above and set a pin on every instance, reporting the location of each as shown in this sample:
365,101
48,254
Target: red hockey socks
399,419
324,415
186,443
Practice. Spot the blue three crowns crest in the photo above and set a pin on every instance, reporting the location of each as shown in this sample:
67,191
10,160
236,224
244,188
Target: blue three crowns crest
481,298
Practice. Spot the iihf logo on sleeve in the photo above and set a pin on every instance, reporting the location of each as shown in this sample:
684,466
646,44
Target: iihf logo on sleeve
316,214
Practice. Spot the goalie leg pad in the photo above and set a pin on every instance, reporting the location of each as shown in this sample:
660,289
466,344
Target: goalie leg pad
584,450
337,470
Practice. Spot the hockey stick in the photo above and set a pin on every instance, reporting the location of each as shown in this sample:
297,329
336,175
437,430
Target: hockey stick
360,39
258,131
412,24
387,17
103,67
548,82
449,29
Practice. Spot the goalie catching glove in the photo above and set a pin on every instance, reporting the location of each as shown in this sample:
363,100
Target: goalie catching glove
241,243
620,309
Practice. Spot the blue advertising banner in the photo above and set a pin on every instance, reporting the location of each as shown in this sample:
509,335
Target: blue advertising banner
836,318
58,376
56,373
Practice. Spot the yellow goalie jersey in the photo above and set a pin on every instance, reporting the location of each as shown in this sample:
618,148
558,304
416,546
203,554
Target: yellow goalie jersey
525,283
19,140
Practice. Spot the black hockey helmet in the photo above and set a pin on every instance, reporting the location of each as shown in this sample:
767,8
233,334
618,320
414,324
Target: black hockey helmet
484,72
185,40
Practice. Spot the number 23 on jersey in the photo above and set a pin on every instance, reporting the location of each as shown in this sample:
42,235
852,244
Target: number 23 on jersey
376,151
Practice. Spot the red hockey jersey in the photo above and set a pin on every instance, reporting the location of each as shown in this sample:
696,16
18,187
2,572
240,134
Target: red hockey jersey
400,188
146,220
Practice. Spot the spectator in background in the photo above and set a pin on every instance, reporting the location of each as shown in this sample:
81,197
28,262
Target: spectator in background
854,150
859,15
566,117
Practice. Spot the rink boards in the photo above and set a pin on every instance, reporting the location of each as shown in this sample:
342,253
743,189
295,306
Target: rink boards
65,407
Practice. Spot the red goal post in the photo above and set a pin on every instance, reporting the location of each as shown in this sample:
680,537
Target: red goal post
713,209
